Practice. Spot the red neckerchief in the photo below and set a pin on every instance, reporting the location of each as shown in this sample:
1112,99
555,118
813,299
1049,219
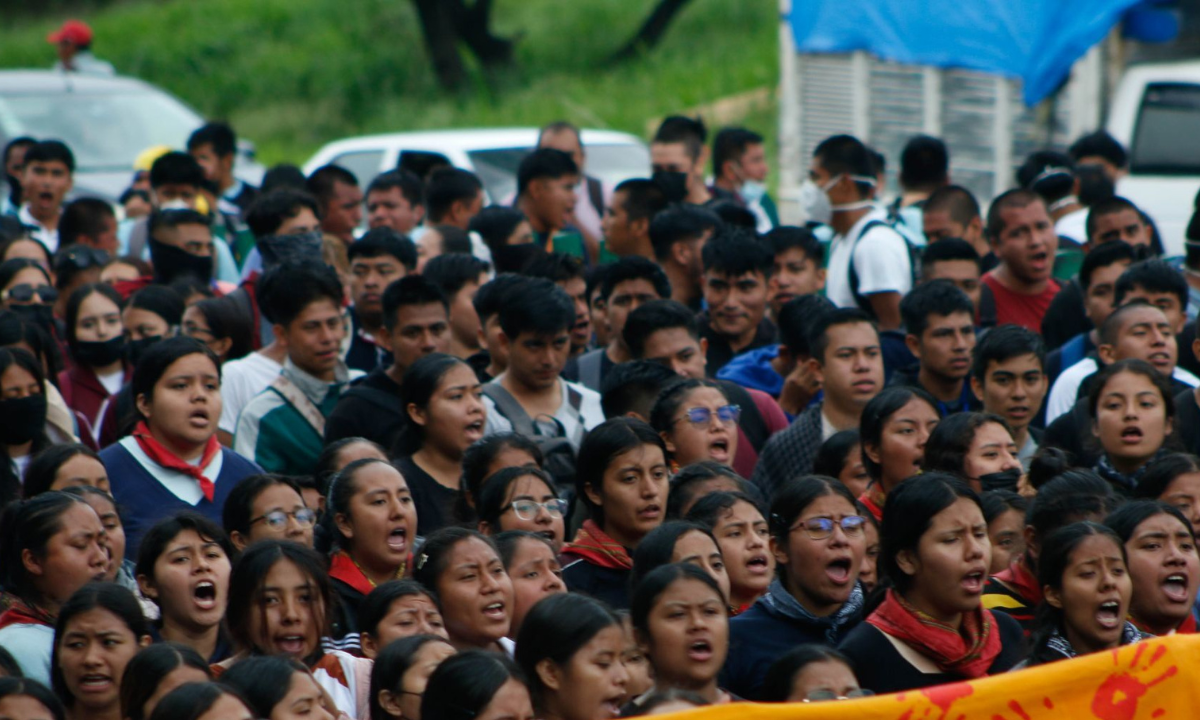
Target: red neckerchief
342,567
1018,577
22,614
157,452
250,285
1187,627
126,288
596,547
873,501
968,651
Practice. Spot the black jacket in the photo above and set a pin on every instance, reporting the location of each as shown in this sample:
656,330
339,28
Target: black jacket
370,408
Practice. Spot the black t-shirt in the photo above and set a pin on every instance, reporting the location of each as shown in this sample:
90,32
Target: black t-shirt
1187,420
1065,318
719,350
370,408
434,501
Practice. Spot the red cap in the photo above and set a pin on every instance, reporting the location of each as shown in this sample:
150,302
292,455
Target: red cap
75,32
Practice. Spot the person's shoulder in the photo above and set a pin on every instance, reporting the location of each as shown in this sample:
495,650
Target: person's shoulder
864,640
234,461
587,394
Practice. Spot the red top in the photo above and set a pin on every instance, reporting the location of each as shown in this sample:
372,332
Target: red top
1019,309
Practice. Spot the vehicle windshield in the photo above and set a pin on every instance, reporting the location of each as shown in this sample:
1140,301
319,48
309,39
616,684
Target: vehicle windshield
497,169
1165,141
105,132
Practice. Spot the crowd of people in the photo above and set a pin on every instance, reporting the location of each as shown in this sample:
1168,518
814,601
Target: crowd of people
407,451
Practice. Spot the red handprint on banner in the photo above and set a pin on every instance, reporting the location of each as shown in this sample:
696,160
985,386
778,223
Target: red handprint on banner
1117,697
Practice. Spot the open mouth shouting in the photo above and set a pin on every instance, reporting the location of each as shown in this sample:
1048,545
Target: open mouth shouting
1132,435
759,564
838,572
290,644
496,611
1175,588
474,429
650,512
397,539
972,583
204,594
199,418
718,449
700,650
1108,615
95,683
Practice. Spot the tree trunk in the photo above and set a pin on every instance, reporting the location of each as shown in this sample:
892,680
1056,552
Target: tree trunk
441,39
474,27
652,30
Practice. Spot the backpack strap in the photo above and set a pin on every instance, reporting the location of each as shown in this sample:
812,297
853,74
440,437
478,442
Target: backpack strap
861,300
596,194
297,399
512,411
752,422
588,366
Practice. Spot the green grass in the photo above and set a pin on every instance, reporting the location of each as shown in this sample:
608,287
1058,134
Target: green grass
294,74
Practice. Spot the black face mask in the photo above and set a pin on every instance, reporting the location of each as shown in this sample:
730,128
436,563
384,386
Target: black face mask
98,353
1003,480
672,184
22,419
301,247
512,258
171,262
135,349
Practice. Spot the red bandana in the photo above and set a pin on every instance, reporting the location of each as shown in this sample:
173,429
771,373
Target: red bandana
1018,577
873,500
1187,627
593,545
968,651
157,452
342,567
22,614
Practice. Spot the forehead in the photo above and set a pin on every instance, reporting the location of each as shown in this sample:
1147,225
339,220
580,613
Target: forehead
1120,218
954,319
754,276
1129,382
634,286
706,396
671,340
937,218
564,139
1108,274
1141,316
953,270
419,314
662,153
856,333
384,259
1017,364
1024,214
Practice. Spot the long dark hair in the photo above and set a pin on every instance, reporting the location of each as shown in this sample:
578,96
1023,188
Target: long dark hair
158,358
10,686
910,509
97,595
147,669
81,293
876,414
555,629
658,547
390,666
29,525
599,450
464,684
950,442
420,382
263,681
10,482
192,700
1158,476
44,467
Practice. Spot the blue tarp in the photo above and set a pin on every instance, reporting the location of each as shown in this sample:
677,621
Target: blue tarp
1035,40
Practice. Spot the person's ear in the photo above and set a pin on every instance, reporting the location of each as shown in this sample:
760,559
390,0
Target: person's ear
390,704
593,495
779,552
913,343
145,641
821,272
872,453
142,403
640,228
503,340
704,350
977,388
537,189
667,441
419,214
280,333
817,371
1053,597
1196,348
1031,545
367,642
636,416
485,527
1170,426
146,585
220,347
907,561
1107,354
681,254
549,673
343,525
417,414
239,541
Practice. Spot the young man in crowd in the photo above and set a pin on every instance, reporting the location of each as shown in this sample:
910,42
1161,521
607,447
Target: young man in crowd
535,326
1052,176
546,181
799,265
667,332
1022,236
589,191
1098,276
396,199
628,283
679,157
740,170
415,323
679,235
1007,376
626,223
181,246
1152,281
91,222
940,322
737,275
1100,148
955,260
460,276
493,295
848,361
283,427
1116,218
453,197
869,263
214,146
632,387
567,272
340,200
377,259
46,179
953,212
924,167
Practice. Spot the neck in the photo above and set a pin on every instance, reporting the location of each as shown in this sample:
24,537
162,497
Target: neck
326,376
371,322
739,599
645,249
20,450
535,221
839,417
709,690
804,599
919,602
1127,466
948,390
275,352
1082,646
108,369
1094,337
727,184
684,285
202,640
396,373
461,644
1158,627
519,390
697,193
225,183
441,466
981,247
79,712
910,197
844,220
494,369
47,217
1018,285
1020,435
462,349
179,448
737,343
377,575
617,351
625,540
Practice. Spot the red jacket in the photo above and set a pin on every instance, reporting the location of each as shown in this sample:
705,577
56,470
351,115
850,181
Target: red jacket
88,400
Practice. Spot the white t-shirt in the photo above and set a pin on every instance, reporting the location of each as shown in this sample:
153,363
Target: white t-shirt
112,382
1073,225
241,380
880,258
1064,394
589,410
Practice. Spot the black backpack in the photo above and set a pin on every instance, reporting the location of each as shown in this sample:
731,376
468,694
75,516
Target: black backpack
557,449
914,262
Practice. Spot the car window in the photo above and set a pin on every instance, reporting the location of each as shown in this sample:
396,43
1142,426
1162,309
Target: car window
497,170
612,163
1164,140
364,165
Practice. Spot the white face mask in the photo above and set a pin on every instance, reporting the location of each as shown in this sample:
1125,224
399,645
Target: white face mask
176,204
752,191
814,200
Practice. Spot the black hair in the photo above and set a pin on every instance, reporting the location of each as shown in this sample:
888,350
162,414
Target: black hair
1153,275
600,448
1154,481
1124,521
489,502
632,387
447,186
10,482
436,551
264,681
176,168
555,629
957,201
908,513
48,151
876,414
409,291
111,597
160,300
464,684
1110,329
15,330
709,510
544,163
834,452
1048,173
455,240
730,144
679,129
419,384
653,316
656,549
478,458
272,207
679,223
555,266
788,237
1137,367
158,358
1073,496
14,684
83,217
406,181
1110,205
327,462
795,497
847,155
734,215
672,397
651,587
635,267
734,251
495,224
322,181
250,571
936,297
381,241
238,509
81,293
644,199
452,271
997,502
492,295
1099,144
225,319
1009,199
685,485
508,542
1103,256
948,249
924,163
948,445
147,669
541,308
28,526
218,134
818,334
295,286
154,543
9,268
1052,564
1003,343
191,701
781,676
391,664
378,603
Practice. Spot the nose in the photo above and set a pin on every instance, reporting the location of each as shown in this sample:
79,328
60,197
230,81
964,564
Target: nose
100,556
555,584
975,547
489,585
649,487
289,611
396,509
543,516
756,540
1010,462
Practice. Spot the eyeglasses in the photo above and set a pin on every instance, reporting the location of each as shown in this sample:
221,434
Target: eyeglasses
191,329
82,257
528,509
277,519
823,695
727,414
821,528
25,293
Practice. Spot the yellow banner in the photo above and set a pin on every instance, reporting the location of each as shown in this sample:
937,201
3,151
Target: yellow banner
1153,679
